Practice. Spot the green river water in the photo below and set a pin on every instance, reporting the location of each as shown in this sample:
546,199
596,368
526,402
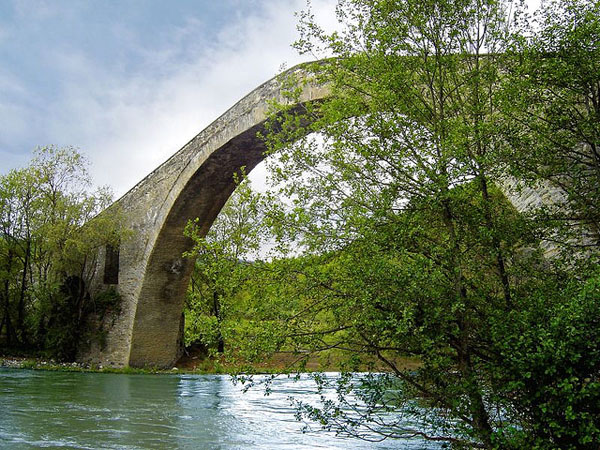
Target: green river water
40,409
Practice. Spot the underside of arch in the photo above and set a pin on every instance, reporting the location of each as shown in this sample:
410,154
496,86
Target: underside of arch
156,331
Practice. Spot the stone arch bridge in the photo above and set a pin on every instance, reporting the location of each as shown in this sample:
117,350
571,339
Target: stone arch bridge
148,269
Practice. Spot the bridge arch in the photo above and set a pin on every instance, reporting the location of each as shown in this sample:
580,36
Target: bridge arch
194,182
148,269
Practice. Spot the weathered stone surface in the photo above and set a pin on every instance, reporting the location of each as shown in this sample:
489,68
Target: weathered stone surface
195,182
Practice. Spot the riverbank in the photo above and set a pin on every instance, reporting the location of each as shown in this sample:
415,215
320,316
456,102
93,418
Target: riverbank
195,363
39,363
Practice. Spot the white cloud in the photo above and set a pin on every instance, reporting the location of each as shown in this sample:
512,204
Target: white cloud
14,102
129,125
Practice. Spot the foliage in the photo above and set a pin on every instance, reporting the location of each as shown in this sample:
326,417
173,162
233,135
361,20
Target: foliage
552,120
411,248
398,240
549,377
48,245
221,267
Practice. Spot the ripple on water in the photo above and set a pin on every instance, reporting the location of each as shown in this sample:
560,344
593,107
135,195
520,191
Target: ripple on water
46,409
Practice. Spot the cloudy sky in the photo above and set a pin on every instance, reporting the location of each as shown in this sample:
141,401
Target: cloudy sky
129,82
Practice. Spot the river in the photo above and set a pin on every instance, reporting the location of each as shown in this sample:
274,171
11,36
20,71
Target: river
42,409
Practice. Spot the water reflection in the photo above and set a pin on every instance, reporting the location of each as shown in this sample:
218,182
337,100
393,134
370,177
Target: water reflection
75,410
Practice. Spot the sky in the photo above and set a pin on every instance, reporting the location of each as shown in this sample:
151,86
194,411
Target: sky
129,82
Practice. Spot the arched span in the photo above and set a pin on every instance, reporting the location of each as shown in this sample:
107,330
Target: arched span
195,182
148,269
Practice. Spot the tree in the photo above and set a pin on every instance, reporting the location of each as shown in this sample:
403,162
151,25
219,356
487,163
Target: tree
49,244
553,121
417,252
221,266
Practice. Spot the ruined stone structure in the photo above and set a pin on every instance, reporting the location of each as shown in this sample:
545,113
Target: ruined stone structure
148,269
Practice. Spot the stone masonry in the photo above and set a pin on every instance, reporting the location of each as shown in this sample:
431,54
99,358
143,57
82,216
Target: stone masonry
195,182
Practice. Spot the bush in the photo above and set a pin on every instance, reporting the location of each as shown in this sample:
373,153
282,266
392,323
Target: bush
549,368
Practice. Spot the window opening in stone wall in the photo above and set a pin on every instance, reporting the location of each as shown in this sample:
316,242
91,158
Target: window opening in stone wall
111,265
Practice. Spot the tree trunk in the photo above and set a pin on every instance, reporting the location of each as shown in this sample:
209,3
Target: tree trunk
10,333
217,313
500,264
481,418
21,306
